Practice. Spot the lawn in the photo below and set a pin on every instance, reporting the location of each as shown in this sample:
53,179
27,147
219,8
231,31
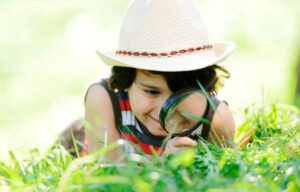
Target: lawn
270,162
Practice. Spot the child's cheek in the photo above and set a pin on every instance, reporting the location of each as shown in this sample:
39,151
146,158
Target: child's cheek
138,103
144,104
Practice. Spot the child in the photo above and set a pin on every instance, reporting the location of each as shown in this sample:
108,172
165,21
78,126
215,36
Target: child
163,48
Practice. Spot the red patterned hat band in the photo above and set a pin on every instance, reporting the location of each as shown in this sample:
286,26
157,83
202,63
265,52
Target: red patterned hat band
172,53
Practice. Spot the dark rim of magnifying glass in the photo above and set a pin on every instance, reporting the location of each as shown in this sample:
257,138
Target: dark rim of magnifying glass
171,101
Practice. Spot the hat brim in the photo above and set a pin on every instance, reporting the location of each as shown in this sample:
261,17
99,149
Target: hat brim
186,62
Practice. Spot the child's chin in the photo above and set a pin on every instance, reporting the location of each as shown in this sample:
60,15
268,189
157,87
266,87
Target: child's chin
161,132
158,131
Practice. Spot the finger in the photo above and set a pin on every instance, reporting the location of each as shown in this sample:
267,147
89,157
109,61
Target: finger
185,141
172,149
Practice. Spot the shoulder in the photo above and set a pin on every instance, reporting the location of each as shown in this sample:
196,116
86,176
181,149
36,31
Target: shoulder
97,98
99,105
223,125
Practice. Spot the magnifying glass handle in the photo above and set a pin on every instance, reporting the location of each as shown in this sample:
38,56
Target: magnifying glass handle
195,137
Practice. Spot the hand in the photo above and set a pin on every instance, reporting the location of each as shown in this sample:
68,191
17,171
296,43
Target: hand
177,144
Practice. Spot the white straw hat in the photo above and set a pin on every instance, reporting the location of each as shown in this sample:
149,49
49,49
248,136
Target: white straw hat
165,35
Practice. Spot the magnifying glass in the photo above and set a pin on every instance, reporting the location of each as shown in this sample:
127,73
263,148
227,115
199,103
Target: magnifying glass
184,112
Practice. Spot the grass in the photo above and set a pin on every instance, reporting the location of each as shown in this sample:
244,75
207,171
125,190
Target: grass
270,162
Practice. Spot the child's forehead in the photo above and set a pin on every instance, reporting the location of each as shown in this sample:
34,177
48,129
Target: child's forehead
145,74
146,77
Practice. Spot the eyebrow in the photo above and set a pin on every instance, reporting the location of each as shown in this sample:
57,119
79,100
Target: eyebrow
148,86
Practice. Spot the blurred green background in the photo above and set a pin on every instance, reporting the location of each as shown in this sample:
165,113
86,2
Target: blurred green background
47,58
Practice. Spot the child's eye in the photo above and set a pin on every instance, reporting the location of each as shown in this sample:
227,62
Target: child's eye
151,92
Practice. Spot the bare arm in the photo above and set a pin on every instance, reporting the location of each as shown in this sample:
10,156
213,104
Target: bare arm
223,126
99,114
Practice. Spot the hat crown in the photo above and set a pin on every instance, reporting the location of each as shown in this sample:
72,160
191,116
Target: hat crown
162,26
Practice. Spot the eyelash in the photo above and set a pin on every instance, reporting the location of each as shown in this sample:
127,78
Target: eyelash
151,92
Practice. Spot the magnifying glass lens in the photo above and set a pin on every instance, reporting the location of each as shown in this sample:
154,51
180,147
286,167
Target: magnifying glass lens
184,112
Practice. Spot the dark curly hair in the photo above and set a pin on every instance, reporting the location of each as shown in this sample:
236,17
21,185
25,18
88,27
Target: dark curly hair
210,77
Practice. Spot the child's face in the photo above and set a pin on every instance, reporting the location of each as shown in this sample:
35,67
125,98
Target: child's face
147,94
